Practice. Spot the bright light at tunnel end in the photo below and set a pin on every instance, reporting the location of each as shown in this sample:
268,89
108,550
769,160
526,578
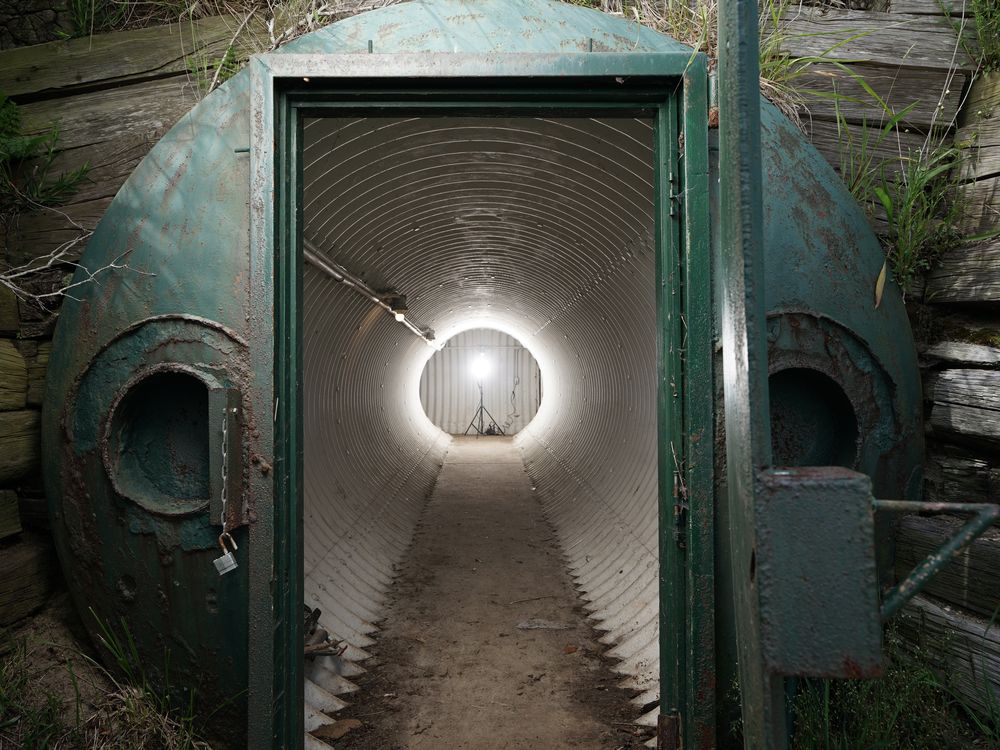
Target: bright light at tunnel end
480,367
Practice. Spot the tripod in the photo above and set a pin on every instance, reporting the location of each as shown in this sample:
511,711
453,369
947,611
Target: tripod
479,417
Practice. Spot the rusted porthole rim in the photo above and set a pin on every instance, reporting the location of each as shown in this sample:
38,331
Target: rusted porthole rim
137,379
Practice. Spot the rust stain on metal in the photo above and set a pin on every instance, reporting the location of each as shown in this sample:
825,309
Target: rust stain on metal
668,732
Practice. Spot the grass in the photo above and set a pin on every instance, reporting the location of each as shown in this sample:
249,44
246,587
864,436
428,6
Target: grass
987,34
129,713
909,708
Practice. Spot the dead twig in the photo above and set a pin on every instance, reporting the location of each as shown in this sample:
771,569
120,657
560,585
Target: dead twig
531,599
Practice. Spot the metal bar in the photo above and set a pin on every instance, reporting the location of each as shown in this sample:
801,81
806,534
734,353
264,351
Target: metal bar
465,65
340,274
744,354
986,514
672,503
699,403
288,658
260,306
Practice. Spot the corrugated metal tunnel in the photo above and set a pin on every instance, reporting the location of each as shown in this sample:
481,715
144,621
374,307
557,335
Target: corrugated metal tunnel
538,227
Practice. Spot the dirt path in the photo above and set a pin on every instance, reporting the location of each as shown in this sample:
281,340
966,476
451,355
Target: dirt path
485,645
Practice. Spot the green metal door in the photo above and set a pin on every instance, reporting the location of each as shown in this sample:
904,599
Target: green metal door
669,87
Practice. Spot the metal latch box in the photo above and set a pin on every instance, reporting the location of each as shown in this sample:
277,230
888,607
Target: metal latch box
816,573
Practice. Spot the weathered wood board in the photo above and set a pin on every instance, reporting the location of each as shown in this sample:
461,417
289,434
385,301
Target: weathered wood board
971,580
27,573
966,406
933,96
19,443
957,9
894,39
961,353
968,274
834,142
979,133
8,311
966,648
128,56
955,475
41,232
13,377
10,520
36,359
136,110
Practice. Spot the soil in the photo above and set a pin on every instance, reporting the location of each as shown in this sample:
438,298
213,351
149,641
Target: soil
485,644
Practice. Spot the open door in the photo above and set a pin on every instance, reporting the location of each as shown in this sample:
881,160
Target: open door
671,88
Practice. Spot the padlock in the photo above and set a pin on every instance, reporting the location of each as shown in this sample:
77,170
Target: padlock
225,564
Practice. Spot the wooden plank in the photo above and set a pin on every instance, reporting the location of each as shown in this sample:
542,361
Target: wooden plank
113,131
966,649
10,518
966,406
955,8
126,112
982,200
971,580
13,377
19,444
892,39
40,232
966,275
36,359
33,510
8,311
28,570
961,353
979,133
126,56
955,475
936,95
833,141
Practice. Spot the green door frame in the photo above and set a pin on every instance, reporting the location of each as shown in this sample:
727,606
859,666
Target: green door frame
672,87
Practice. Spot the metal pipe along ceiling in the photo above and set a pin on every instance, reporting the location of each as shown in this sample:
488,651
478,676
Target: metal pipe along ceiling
538,227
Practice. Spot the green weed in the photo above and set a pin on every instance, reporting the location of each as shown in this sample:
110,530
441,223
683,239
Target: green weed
987,33
907,709
26,719
26,179
130,713
921,210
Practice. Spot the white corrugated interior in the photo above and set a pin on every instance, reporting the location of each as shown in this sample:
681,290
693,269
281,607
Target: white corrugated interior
537,227
510,379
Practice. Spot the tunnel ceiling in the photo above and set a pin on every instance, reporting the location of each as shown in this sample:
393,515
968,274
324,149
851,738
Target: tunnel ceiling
481,220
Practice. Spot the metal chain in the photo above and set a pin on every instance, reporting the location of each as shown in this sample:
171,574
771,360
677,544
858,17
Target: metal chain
225,536
225,469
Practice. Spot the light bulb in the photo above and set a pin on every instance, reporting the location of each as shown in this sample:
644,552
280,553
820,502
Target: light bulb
400,317
480,367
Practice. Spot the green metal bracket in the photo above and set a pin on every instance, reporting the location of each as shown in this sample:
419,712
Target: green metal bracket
985,514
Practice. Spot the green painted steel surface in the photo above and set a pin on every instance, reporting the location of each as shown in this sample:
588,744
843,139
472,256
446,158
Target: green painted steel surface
195,308
815,570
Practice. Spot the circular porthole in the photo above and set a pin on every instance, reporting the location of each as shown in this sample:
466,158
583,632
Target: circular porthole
157,443
813,422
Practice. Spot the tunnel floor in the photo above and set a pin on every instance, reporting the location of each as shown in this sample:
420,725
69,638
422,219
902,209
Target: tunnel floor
485,644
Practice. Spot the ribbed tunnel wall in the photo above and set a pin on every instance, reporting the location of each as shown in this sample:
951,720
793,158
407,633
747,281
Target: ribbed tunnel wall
538,227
